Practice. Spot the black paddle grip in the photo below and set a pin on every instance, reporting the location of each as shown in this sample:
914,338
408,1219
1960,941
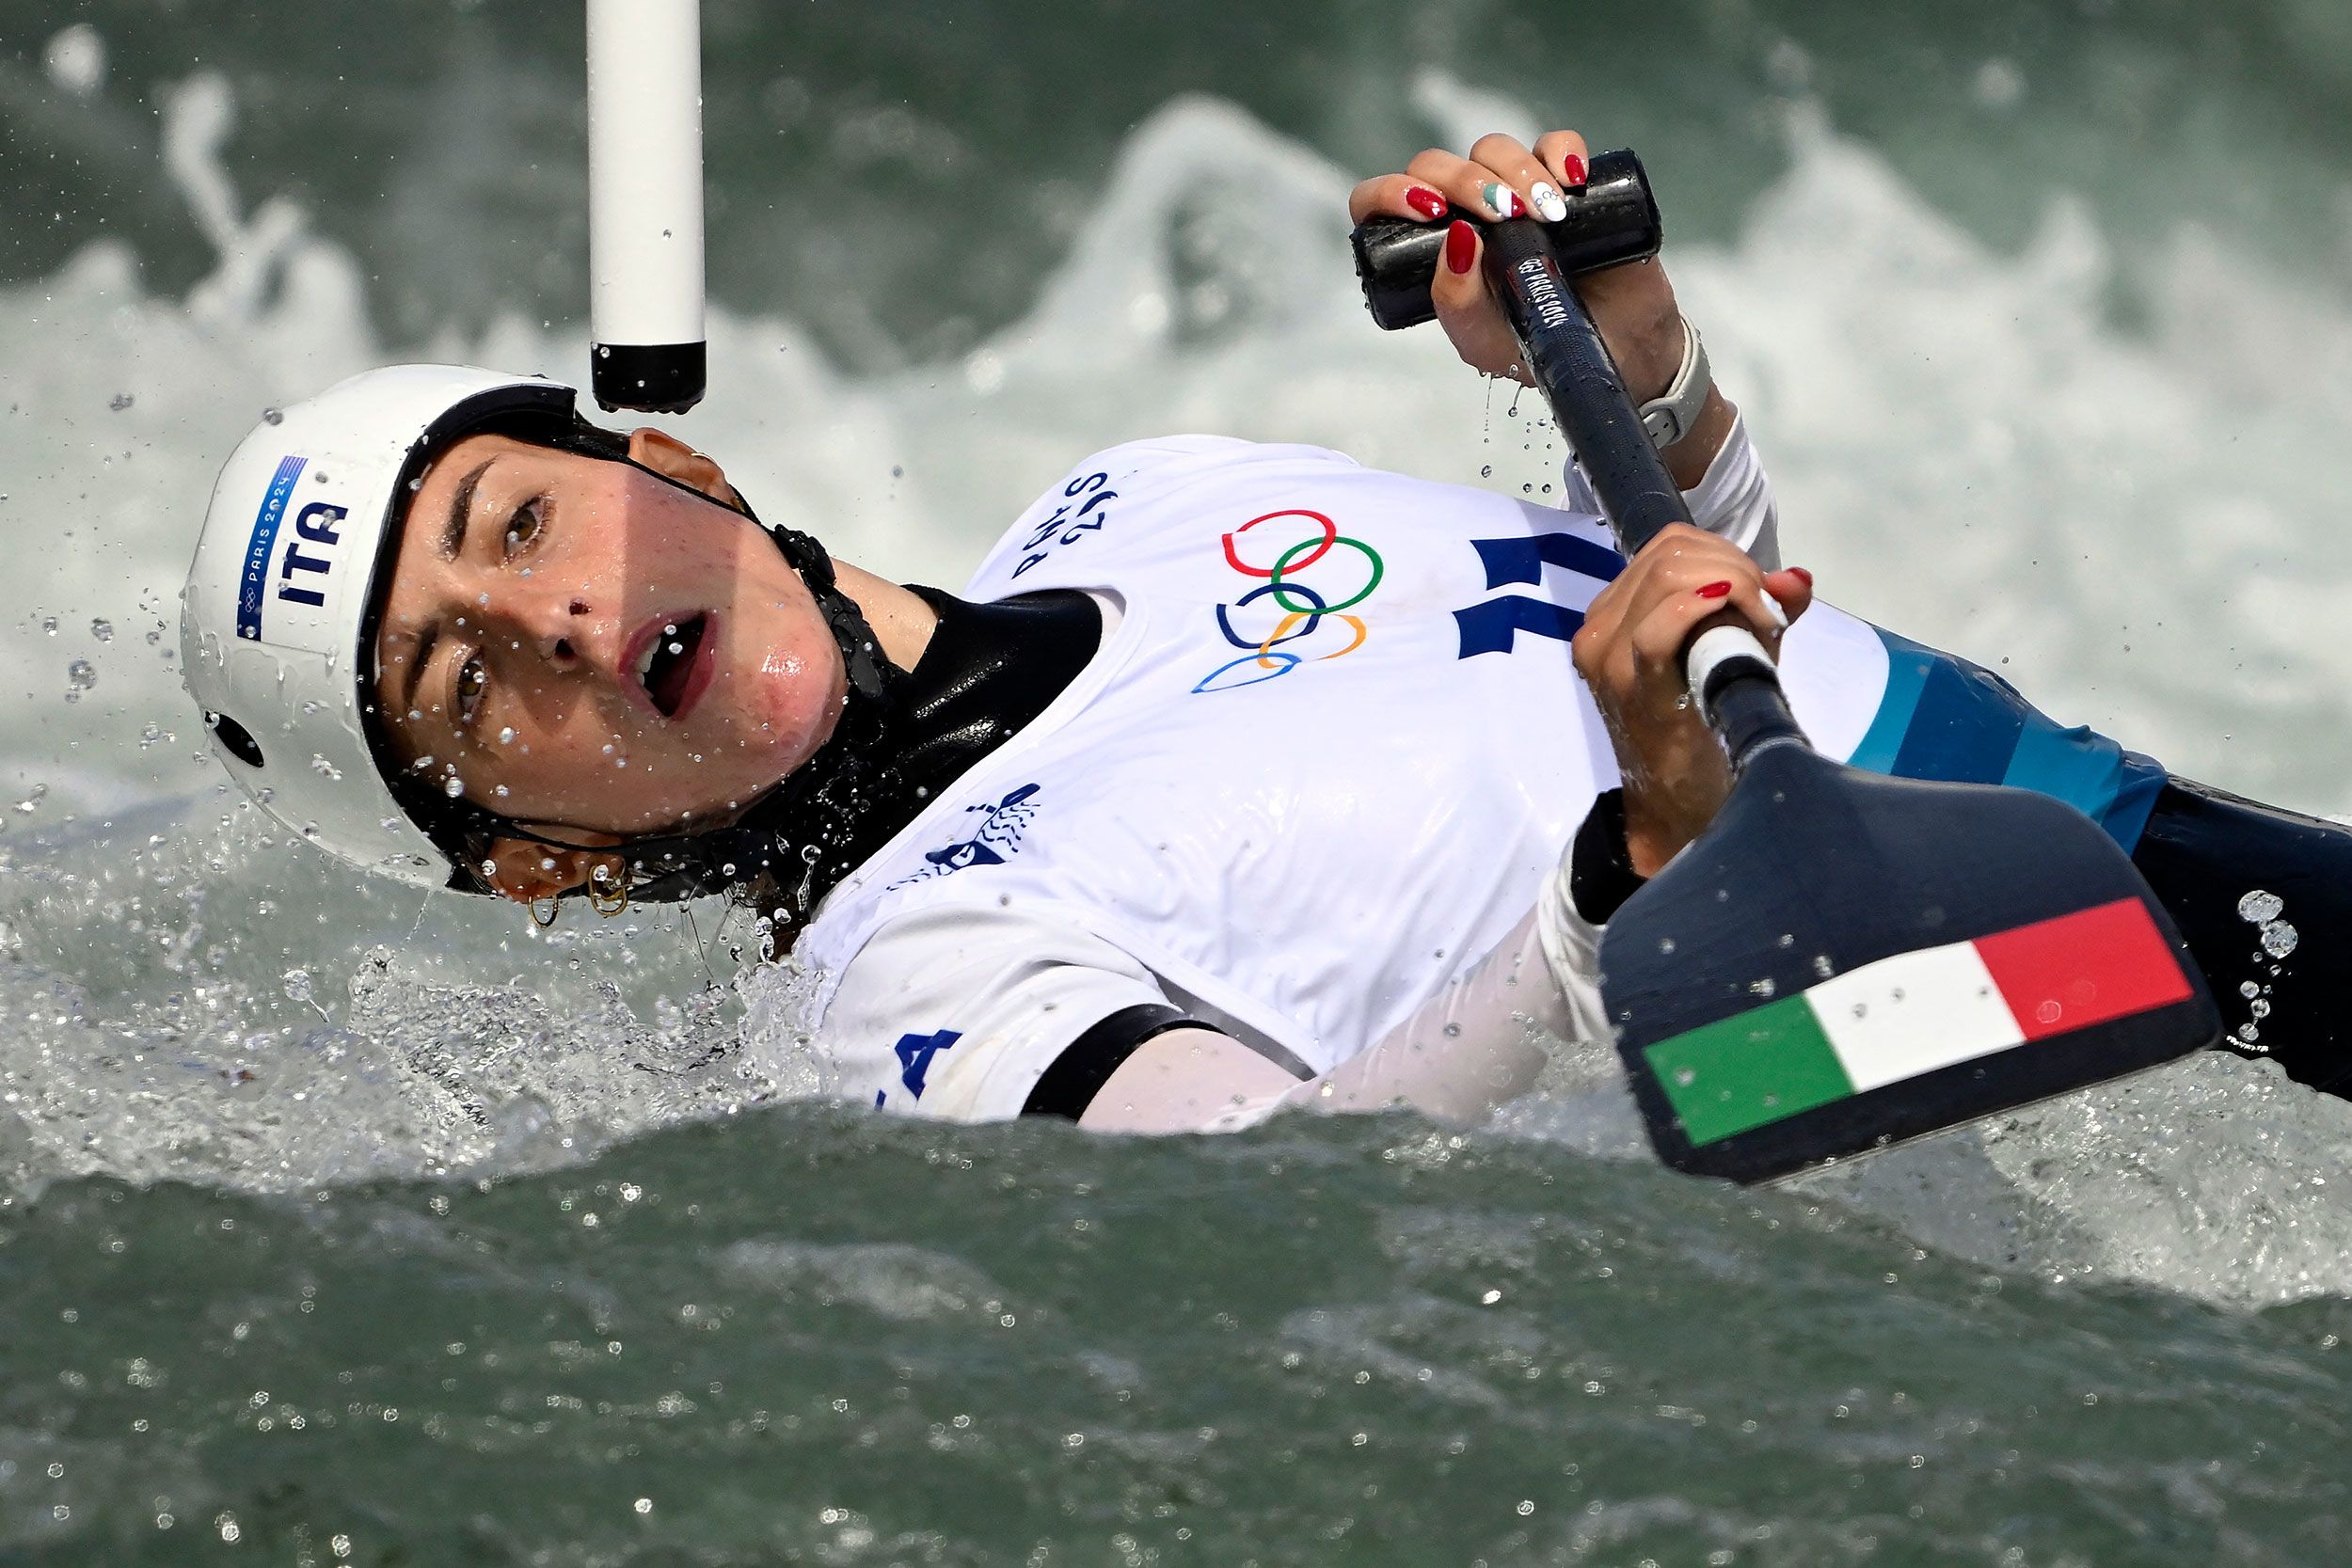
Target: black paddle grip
1611,220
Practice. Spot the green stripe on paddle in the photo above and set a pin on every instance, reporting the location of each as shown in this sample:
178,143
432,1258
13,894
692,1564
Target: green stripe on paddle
1749,1070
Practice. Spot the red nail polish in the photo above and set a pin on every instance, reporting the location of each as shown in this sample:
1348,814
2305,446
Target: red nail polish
1461,247
1715,590
1572,170
1802,574
1516,207
1428,203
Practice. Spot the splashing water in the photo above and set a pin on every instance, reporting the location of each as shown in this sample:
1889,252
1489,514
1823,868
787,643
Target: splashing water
150,931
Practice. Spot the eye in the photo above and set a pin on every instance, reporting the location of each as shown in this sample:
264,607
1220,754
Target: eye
473,679
523,528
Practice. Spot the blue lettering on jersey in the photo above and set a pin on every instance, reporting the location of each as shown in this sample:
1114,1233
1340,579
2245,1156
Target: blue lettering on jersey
264,541
915,1052
999,836
1084,510
1492,628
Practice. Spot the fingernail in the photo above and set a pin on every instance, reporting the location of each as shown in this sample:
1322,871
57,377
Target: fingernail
1715,590
1501,199
1548,202
1780,616
1428,203
1572,170
1461,247
1802,574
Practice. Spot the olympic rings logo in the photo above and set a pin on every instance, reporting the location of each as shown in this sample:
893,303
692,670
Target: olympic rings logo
1304,608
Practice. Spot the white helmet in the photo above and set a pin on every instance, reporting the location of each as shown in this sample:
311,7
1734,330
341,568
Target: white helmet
277,621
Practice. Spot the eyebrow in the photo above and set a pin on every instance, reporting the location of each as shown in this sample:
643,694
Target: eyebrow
452,539
460,509
416,662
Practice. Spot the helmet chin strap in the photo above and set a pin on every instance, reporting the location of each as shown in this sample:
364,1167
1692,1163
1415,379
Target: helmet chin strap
798,834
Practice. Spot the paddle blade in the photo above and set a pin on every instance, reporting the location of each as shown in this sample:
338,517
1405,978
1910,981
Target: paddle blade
1845,960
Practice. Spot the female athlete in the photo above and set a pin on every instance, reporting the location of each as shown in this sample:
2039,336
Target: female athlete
1237,775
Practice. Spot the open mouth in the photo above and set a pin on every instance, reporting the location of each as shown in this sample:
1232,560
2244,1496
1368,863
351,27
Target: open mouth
667,666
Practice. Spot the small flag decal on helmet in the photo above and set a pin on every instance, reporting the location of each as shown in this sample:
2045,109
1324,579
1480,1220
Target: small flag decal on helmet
1914,1013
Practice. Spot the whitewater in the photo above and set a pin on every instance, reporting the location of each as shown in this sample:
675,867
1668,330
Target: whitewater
248,1071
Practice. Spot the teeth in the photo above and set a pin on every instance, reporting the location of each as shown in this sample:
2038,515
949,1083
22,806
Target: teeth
644,661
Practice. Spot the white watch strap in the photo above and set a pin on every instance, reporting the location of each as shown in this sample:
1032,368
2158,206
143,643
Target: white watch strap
1669,415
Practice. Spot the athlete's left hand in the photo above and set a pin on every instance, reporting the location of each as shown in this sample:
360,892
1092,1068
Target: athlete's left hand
1629,652
1632,305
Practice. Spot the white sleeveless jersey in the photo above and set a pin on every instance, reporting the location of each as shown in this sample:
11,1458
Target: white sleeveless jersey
1320,766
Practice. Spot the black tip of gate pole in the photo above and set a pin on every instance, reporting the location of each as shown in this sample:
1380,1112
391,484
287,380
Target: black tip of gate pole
652,379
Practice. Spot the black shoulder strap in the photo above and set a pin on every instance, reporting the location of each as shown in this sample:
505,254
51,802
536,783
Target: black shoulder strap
1078,1074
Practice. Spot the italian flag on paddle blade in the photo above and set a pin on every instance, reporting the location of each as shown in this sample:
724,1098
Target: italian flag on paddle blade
1915,1013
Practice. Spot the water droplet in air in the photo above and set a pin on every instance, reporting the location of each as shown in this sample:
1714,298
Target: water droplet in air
2279,939
298,985
2248,987
326,769
1666,944
2259,1009
1686,1076
455,786
271,416
82,673
122,401
103,630
49,624
2259,908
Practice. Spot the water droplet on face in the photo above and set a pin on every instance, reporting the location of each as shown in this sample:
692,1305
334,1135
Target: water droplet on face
499,792
506,736
2259,908
82,673
103,630
2279,939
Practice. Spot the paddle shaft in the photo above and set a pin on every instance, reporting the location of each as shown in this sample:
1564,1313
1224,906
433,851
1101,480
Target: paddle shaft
1564,351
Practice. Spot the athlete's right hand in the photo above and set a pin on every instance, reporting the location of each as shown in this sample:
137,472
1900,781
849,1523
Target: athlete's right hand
1629,652
1632,305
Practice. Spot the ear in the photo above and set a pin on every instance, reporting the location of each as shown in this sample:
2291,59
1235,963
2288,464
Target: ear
672,458
522,868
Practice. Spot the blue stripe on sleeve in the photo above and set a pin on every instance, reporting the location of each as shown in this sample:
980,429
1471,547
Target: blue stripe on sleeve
1944,719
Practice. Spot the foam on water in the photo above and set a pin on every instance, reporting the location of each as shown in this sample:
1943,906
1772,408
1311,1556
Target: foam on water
2134,525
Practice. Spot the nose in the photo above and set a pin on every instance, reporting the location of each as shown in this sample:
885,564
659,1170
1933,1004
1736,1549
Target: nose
559,625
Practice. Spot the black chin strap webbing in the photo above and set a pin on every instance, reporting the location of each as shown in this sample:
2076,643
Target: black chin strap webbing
988,670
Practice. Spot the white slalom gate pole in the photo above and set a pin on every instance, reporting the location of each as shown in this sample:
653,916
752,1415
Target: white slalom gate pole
646,204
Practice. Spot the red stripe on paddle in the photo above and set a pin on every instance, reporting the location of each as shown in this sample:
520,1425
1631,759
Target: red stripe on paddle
2058,975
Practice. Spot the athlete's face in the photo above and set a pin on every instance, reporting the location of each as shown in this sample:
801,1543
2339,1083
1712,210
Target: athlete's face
595,653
